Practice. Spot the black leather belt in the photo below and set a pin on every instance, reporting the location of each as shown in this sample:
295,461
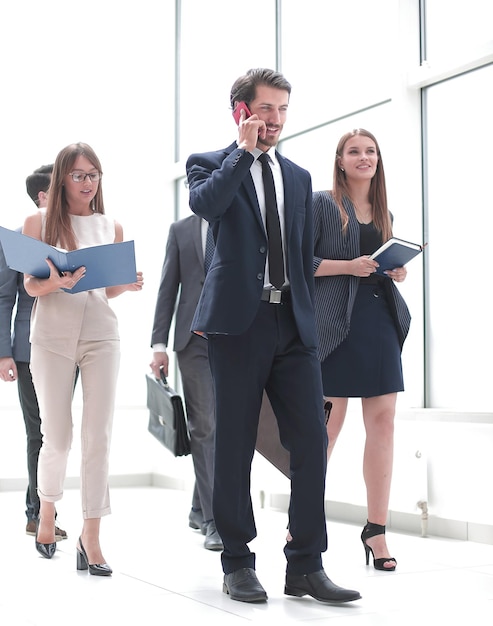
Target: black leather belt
276,296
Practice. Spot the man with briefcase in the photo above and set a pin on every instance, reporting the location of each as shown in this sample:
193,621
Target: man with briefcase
184,273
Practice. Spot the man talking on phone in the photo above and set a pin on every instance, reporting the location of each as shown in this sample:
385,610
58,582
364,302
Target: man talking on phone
256,311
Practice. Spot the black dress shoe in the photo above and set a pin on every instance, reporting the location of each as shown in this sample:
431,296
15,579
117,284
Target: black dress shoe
195,519
243,585
319,586
212,539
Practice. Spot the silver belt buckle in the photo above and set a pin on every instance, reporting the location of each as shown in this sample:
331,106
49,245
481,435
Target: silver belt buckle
275,296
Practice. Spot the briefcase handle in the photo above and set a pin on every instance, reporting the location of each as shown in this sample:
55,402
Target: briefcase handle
163,378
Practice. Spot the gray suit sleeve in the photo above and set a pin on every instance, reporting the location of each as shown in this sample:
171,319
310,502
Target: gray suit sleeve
8,297
168,291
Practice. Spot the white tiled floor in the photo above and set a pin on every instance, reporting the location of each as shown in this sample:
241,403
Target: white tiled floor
163,575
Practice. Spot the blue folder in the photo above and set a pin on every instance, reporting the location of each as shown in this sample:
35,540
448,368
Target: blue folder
106,265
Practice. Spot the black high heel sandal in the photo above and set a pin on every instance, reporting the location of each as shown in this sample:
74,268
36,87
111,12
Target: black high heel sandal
96,569
47,550
369,531
327,410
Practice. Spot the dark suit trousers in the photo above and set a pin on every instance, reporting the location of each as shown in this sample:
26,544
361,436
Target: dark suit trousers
269,355
198,392
30,411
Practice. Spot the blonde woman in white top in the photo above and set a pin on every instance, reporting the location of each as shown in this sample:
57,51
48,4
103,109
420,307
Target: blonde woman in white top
70,331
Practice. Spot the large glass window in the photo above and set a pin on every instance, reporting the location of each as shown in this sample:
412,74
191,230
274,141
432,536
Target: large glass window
218,42
459,139
315,149
337,55
455,26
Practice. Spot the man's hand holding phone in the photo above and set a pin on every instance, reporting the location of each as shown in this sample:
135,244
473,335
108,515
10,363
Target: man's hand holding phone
250,127
241,107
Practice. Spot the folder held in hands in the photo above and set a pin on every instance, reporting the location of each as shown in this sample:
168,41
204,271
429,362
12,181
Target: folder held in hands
106,265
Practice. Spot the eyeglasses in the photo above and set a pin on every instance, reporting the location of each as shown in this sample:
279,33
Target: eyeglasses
80,177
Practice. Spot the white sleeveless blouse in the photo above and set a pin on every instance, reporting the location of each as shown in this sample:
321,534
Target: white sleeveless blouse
60,319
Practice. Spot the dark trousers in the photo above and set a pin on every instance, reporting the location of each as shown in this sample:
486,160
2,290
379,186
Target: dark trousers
32,422
199,400
269,356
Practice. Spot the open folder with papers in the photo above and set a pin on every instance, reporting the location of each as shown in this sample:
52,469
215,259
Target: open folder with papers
106,265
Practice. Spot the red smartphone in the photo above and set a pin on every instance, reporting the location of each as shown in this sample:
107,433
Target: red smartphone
241,106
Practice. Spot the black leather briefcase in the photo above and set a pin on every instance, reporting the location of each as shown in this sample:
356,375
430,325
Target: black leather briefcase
167,419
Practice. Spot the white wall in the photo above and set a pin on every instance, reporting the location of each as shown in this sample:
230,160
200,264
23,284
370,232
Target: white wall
103,74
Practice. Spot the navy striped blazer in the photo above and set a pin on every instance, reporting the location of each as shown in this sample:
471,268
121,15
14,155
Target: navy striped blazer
335,295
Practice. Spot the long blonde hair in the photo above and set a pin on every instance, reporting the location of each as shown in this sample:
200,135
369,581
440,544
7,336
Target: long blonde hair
58,229
378,191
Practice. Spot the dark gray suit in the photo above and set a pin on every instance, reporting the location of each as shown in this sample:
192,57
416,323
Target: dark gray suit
14,343
183,272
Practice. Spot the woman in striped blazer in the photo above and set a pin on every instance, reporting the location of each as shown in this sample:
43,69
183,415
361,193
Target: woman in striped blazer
362,320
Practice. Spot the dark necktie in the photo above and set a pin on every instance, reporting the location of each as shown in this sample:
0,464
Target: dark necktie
209,249
276,263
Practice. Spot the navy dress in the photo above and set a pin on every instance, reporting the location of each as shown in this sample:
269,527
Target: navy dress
368,361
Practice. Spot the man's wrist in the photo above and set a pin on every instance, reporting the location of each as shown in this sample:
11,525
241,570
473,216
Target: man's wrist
159,347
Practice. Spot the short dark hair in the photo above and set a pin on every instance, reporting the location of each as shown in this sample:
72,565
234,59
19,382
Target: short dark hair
38,181
244,88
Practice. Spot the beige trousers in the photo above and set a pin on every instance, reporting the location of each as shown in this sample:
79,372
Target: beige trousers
53,378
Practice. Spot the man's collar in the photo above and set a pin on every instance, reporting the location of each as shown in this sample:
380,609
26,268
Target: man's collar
271,152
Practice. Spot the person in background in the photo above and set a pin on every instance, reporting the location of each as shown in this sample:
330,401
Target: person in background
362,320
71,331
256,310
183,273
37,185
15,352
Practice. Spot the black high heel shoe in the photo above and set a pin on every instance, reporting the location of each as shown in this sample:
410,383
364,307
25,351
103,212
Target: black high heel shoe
327,410
45,549
96,569
369,531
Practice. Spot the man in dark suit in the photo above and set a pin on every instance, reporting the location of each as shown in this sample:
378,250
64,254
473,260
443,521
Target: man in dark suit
261,334
15,352
183,273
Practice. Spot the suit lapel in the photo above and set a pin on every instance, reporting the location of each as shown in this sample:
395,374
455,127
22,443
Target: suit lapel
249,189
288,183
252,196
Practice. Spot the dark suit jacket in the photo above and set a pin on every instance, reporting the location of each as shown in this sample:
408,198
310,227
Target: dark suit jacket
183,271
14,342
231,294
